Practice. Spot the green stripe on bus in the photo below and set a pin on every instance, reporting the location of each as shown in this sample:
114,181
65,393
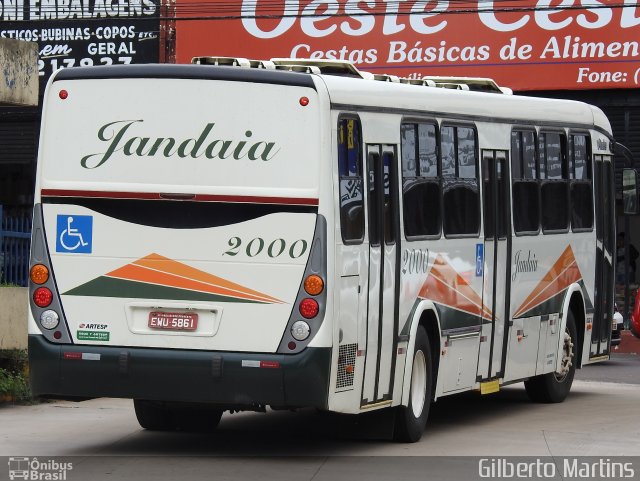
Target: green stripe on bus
110,287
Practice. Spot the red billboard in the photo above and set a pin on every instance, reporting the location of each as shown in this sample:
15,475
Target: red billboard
522,44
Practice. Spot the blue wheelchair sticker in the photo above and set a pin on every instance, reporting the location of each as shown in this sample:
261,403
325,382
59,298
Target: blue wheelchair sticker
479,260
74,234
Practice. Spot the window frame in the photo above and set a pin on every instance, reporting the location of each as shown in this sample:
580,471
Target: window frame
565,179
394,194
356,117
590,159
468,125
536,180
433,180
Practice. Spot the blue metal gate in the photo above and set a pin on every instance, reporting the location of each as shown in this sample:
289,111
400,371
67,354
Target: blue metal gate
15,241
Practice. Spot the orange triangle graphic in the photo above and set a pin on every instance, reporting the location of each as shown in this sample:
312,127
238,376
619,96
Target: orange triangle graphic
445,286
562,274
160,270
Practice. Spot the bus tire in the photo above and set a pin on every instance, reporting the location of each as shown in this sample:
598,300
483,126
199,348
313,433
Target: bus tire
153,415
411,420
553,387
197,419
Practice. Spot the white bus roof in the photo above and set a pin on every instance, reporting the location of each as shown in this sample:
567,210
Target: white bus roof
359,93
351,89
459,96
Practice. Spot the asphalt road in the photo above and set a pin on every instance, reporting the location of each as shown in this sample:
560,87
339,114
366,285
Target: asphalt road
621,368
104,442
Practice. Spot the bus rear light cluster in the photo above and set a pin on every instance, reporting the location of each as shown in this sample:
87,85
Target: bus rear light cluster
44,300
42,296
309,308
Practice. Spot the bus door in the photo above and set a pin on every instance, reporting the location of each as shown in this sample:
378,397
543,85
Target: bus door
605,242
497,263
384,274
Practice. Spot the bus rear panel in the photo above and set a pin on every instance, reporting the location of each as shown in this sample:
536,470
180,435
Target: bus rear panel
173,232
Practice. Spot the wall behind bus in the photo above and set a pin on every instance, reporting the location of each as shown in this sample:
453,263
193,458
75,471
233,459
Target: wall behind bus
13,317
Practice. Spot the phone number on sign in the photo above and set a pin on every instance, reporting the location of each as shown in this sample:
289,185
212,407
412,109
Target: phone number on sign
48,66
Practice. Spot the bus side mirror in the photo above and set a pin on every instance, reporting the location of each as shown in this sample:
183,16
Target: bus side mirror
630,192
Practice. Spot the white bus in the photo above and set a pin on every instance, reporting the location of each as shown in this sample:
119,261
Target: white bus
294,234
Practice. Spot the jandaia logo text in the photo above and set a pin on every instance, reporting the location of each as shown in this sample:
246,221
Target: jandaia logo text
120,137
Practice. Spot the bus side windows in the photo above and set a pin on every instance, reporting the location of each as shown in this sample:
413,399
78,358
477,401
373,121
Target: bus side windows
466,153
351,183
581,185
554,189
390,196
461,194
448,150
526,190
420,180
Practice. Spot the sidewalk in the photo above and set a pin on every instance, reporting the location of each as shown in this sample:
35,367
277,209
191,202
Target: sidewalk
628,345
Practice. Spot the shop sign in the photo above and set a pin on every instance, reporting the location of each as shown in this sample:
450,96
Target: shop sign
526,45
73,33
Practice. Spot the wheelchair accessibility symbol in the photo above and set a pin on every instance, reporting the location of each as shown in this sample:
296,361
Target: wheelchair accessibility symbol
74,234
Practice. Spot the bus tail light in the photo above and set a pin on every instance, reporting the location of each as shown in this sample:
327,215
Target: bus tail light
42,297
39,274
46,306
313,285
300,330
309,308
49,319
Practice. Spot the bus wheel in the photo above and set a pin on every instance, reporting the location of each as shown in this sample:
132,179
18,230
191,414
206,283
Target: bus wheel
197,419
411,420
153,415
554,387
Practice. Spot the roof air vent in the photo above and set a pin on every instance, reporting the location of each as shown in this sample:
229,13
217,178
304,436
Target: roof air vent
222,61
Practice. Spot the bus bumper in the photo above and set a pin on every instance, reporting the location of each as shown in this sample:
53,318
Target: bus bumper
228,379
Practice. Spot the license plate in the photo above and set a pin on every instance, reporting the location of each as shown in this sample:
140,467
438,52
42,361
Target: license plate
173,321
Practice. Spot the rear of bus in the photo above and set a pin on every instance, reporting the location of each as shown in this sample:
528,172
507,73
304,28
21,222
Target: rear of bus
178,253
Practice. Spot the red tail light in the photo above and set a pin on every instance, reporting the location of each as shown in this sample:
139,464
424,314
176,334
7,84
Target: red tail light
309,308
42,297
